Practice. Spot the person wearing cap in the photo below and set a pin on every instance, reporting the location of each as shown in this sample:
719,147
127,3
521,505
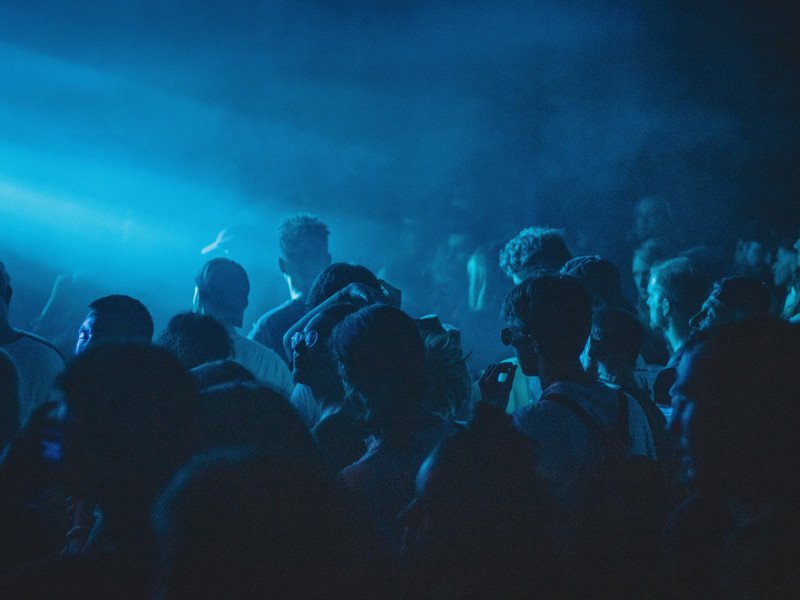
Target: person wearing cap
733,299
222,289
38,362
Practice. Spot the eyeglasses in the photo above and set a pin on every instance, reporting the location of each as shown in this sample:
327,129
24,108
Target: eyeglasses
309,337
507,336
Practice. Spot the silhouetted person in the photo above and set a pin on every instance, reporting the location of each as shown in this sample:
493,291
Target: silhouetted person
304,254
196,339
37,361
733,299
737,415
383,363
222,290
534,249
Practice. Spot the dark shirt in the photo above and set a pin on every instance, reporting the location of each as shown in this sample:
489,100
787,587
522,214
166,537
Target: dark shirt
273,325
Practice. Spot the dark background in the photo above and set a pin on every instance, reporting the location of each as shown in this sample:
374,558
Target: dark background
133,131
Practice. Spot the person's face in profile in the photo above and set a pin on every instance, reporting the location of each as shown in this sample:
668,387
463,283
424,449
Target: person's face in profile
85,333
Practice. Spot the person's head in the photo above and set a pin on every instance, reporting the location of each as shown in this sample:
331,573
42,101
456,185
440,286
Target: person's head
736,402
129,419
240,523
477,504
115,318
675,293
382,361
733,299
221,291
534,249
615,340
486,280
312,361
548,315
599,276
448,384
336,277
304,251
644,257
196,339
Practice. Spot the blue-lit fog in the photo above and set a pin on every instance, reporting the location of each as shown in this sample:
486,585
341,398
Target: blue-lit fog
132,132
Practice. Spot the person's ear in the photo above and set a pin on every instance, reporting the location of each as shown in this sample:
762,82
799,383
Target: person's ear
665,307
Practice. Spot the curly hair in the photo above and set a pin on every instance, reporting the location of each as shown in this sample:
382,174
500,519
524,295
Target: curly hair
302,236
532,249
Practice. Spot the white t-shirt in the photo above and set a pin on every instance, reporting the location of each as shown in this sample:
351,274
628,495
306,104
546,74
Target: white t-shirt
269,368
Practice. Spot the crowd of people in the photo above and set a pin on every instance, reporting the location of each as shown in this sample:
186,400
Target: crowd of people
547,439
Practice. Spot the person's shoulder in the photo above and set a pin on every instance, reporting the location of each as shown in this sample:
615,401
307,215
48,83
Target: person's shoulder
34,343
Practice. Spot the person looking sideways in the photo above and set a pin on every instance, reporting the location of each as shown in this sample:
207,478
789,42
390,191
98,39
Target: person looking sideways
733,299
304,254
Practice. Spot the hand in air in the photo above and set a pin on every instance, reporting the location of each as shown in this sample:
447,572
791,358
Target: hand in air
495,384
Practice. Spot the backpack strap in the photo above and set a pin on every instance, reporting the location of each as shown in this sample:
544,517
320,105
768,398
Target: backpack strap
621,429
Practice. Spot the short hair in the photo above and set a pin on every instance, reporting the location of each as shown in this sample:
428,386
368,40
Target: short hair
303,237
746,294
223,287
600,276
196,339
383,358
555,309
533,249
650,251
616,332
120,318
218,372
681,283
336,277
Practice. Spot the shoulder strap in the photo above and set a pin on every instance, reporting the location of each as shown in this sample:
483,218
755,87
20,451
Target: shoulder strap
620,431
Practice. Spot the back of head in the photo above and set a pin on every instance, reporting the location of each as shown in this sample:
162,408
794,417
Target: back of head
746,296
249,414
600,276
303,238
196,339
616,334
131,421
556,310
237,523
336,277
448,384
534,249
121,319
383,360
682,285
223,287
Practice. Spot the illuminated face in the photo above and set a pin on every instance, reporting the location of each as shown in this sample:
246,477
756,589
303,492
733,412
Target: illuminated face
85,333
655,304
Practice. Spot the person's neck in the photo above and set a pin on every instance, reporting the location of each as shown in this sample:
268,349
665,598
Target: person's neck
677,336
621,377
550,372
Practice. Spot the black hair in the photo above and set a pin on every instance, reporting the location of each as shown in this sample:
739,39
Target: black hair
336,277
196,339
120,318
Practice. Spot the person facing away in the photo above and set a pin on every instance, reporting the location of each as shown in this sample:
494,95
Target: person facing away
736,398
37,361
733,299
534,249
221,291
304,254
